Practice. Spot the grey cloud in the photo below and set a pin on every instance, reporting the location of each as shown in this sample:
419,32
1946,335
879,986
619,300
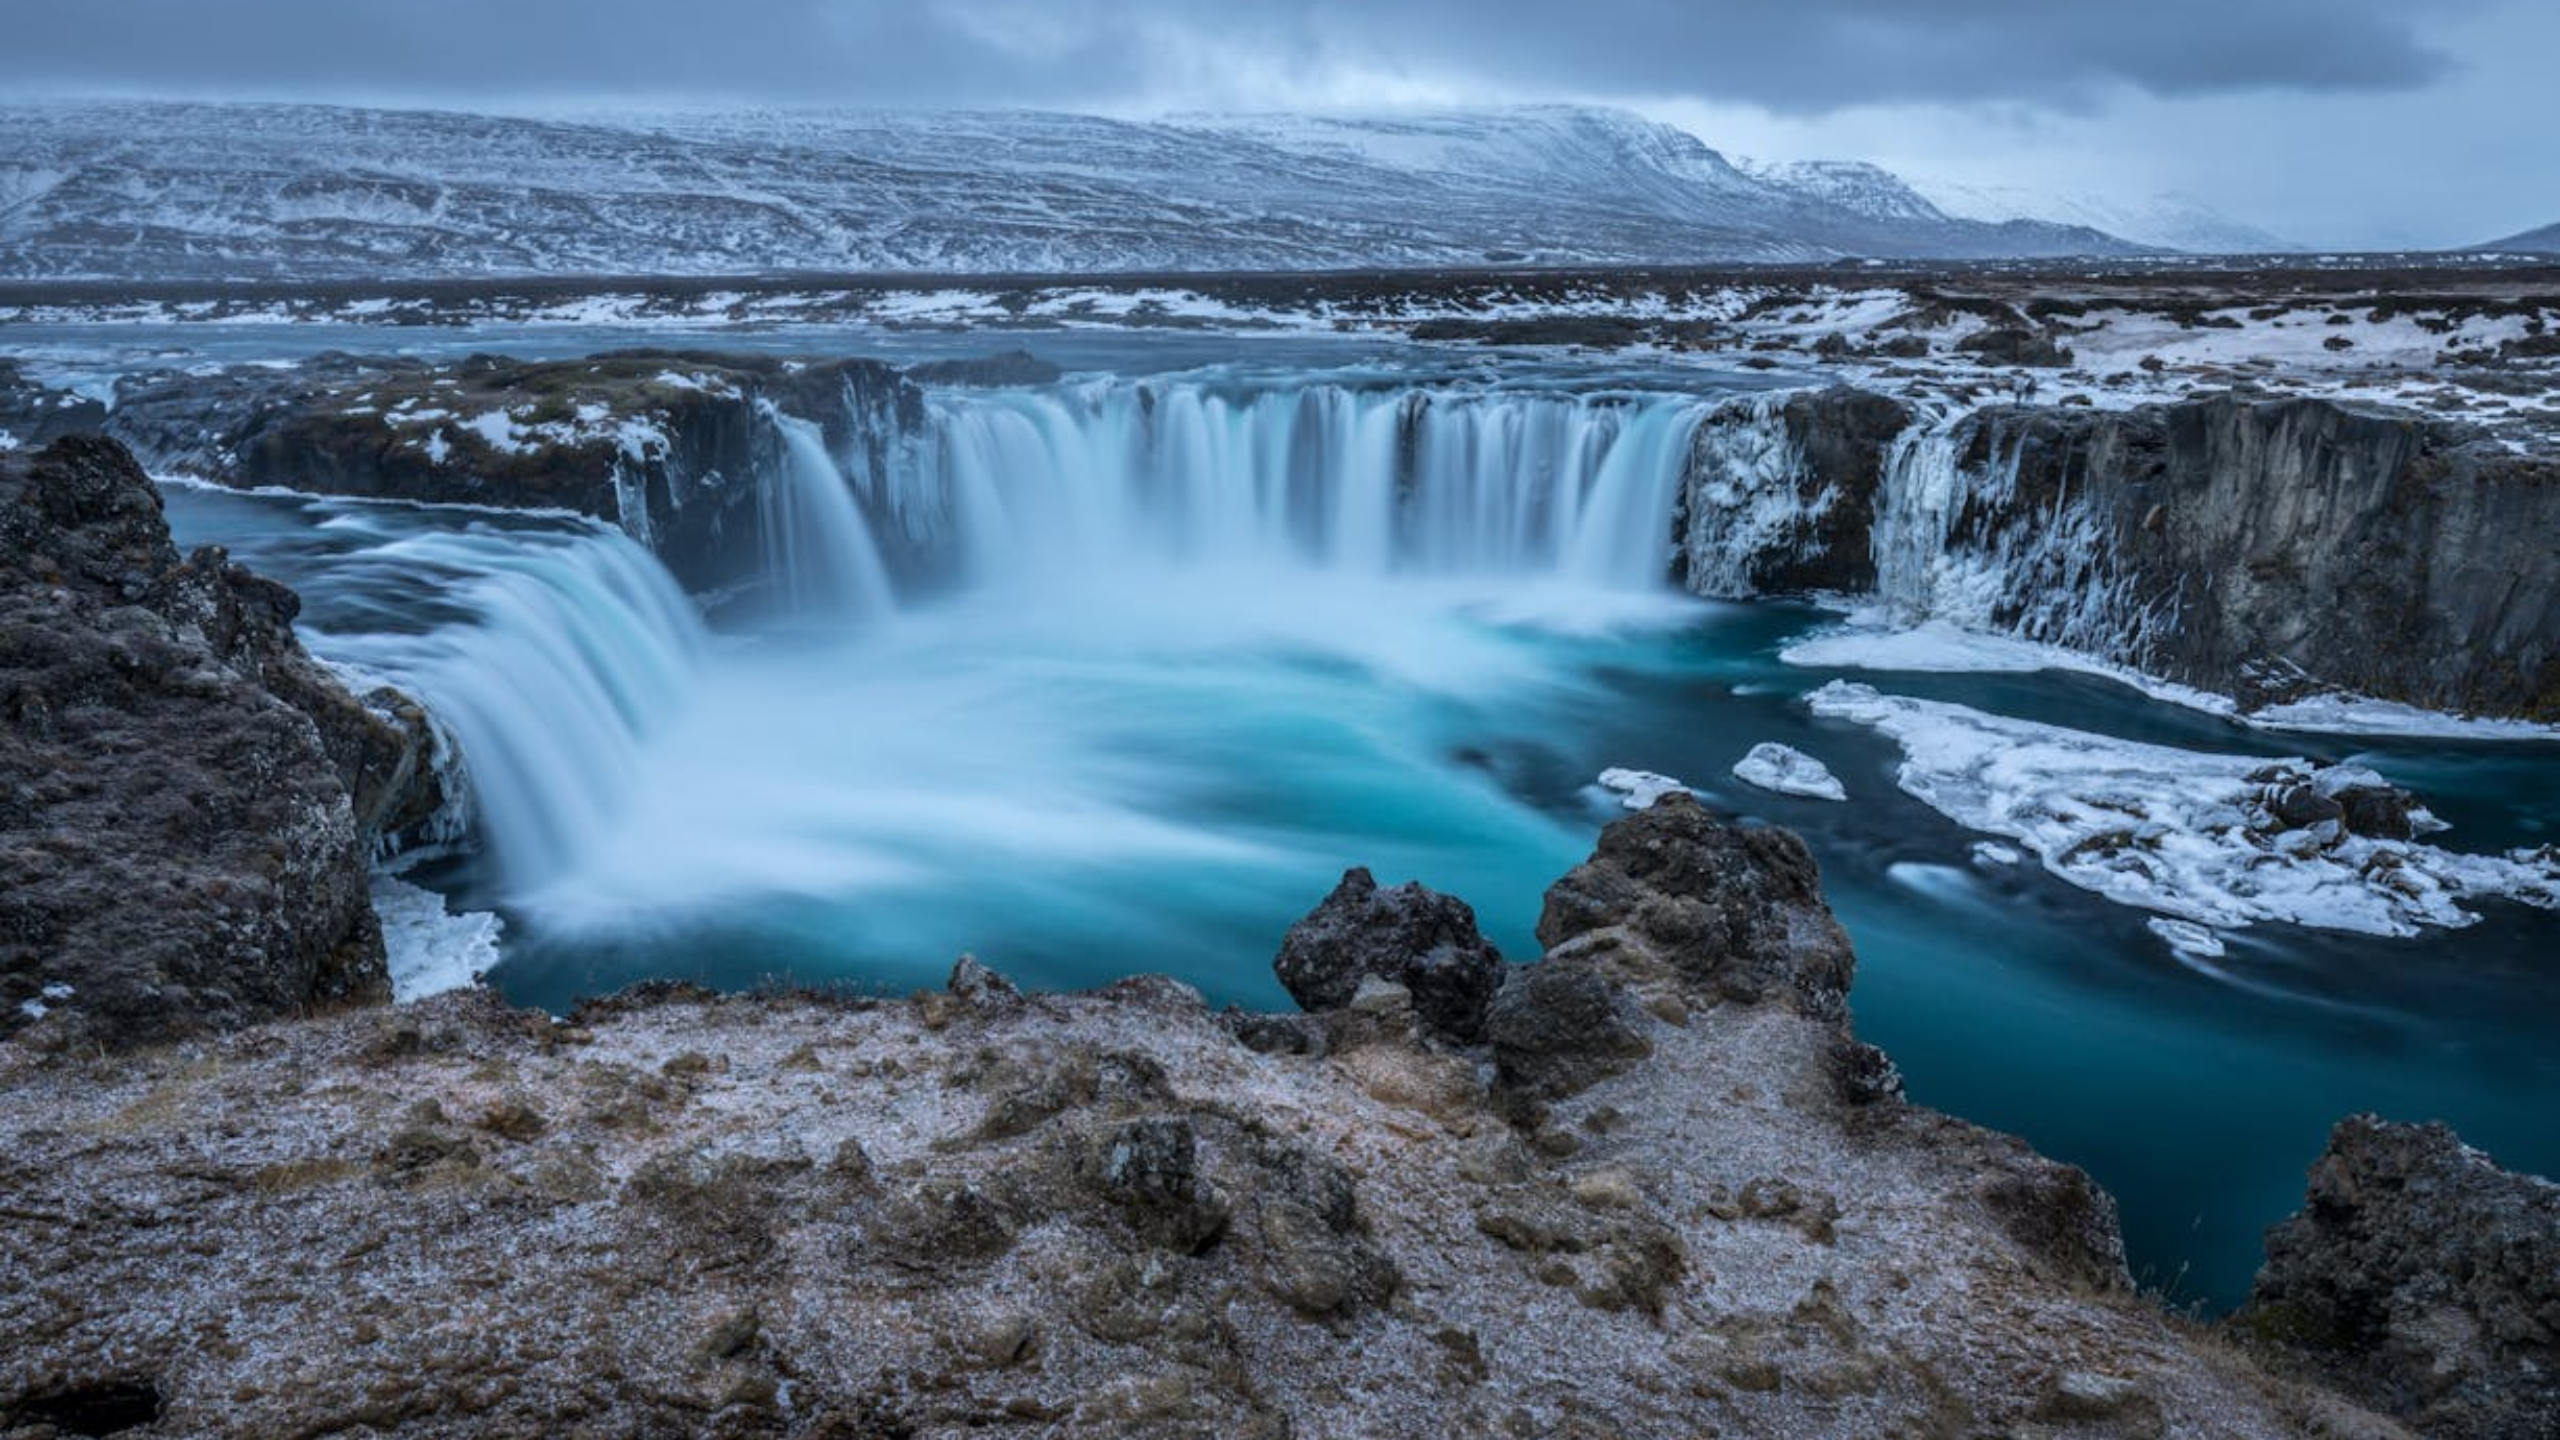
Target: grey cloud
1790,56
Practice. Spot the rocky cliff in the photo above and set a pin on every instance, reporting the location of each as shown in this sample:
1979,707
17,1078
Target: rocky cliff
2263,548
2270,548
187,800
669,445
2422,1278
1648,1186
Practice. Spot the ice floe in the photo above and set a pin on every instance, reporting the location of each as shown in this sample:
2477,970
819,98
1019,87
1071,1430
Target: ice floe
2358,715
432,949
2185,833
1638,789
1788,771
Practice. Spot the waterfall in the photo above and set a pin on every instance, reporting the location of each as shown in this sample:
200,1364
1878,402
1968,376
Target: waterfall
1922,489
557,655
1328,477
560,660
819,551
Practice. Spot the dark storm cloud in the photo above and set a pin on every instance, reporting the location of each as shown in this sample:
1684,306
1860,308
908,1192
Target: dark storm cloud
1790,56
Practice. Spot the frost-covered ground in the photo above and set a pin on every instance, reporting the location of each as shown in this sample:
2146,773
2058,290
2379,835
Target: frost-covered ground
2482,342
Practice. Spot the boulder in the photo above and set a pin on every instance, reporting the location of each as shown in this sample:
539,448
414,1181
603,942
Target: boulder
1726,910
33,415
1010,367
2010,346
2422,1279
1558,1025
1416,937
180,846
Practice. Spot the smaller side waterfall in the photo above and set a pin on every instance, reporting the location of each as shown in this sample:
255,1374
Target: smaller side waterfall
819,551
1973,546
1922,490
564,653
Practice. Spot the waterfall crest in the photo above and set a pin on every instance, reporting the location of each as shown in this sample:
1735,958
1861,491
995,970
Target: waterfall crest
560,655
1327,477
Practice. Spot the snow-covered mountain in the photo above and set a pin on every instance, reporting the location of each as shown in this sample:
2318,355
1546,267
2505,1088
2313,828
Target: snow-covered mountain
2545,241
191,191
2166,221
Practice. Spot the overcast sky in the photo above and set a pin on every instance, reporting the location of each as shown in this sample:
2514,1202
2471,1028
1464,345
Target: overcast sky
2336,122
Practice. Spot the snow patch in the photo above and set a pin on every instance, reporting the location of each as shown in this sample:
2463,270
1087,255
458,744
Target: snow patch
2177,831
2357,715
432,949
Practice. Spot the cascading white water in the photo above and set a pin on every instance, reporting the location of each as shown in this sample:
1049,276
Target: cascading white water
570,668
819,551
1361,481
567,652
1919,495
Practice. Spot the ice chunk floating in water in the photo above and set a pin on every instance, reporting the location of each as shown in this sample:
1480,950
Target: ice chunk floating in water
1638,789
1784,770
2174,830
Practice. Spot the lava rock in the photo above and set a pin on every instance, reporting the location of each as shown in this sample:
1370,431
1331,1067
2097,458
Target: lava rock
1011,367
179,849
2422,1279
1733,911
1416,937
2379,811
33,416
1558,1026
2007,346
1151,1167
2299,807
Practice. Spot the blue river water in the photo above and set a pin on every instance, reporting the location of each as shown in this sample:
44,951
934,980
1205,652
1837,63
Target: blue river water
1082,771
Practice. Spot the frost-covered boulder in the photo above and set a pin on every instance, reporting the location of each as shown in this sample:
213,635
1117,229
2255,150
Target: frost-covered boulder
2423,1279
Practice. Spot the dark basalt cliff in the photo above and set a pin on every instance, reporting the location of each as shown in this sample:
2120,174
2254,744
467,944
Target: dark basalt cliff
2273,548
187,801
2262,548
667,444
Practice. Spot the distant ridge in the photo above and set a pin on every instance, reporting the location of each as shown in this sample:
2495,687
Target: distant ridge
2545,241
135,191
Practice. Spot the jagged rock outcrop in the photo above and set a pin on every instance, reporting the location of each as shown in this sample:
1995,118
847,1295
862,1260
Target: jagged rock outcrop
670,445
2423,1279
33,416
982,1212
179,848
1416,937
